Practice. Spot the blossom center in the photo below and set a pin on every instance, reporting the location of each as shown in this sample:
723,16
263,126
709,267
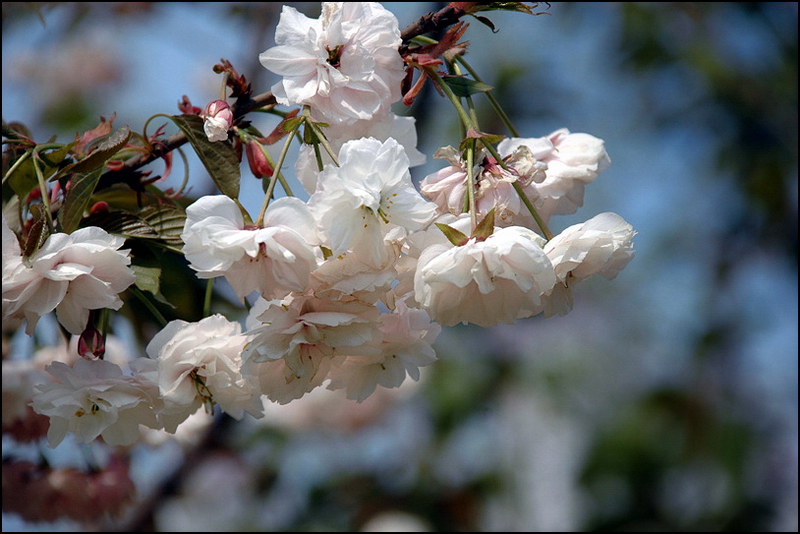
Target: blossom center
334,56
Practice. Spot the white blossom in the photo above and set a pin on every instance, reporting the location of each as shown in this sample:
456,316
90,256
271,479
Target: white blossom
407,335
200,363
345,65
572,160
292,342
94,398
70,273
485,282
401,129
602,245
273,260
494,184
359,202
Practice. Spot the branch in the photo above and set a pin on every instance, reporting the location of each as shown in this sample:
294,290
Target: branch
172,142
432,22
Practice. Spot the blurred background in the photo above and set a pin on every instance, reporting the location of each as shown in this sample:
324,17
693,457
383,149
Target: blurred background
666,400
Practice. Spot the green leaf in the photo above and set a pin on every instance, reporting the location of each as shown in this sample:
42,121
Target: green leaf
80,192
149,279
109,146
23,180
289,125
463,86
492,139
168,222
121,223
487,22
454,236
219,158
485,228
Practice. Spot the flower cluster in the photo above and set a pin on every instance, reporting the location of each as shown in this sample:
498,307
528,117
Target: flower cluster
349,288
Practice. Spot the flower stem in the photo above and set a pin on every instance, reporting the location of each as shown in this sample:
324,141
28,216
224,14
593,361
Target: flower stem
273,180
207,299
149,305
281,178
16,164
492,100
467,120
473,207
45,196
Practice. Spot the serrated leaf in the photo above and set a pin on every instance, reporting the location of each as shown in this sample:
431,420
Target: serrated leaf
80,192
98,157
456,237
219,158
463,86
149,279
121,223
54,159
167,222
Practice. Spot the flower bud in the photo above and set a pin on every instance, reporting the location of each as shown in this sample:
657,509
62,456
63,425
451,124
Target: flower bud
91,344
259,164
218,119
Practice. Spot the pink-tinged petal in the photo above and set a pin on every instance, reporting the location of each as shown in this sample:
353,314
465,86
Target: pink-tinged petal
289,60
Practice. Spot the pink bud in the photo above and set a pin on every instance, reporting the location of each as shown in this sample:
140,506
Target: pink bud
99,207
218,119
91,344
259,165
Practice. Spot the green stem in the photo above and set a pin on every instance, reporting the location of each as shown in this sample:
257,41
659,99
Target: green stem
281,179
179,192
492,100
318,156
462,113
473,207
273,180
147,144
103,321
539,221
45,195
149,305
464,116
16,164
207,300
319,135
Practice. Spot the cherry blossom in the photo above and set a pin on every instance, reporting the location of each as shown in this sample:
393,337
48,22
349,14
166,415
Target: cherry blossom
407,335
401,129
292,342
70,273
199,363
358,203
572,160
494,189
273,260
602,245
501,278
94,398
345,65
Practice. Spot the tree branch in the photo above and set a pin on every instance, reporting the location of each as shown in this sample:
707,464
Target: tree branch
172,142
431,22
